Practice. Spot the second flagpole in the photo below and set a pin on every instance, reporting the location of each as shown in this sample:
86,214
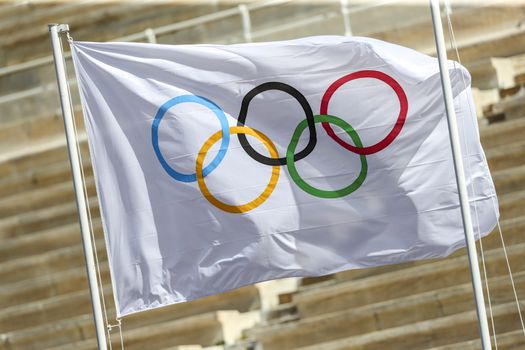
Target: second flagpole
460,175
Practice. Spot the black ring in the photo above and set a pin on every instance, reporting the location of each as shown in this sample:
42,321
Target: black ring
307,110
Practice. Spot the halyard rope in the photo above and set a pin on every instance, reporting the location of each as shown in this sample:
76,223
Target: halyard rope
493,194
90,219
453,45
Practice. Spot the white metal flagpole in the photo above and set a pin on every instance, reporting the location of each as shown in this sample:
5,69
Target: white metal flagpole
63,89
460,175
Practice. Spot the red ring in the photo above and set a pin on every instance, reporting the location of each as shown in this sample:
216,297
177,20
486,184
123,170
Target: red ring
403,103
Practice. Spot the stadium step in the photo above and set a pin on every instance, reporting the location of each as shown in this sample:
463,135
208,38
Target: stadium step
47,240
45,174
107,21
509,180
418,279
511,204
54,261
495,72
64,306
21,138
47,334
38,154
79,327
382,315
51,217
37,178
47,286
503,133
431,333
506,156
511,107
220,327
41,198
45,310
506,341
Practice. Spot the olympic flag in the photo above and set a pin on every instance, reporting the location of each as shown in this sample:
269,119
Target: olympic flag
219,166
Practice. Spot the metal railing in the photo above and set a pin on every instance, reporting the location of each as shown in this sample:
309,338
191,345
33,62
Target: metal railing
151,34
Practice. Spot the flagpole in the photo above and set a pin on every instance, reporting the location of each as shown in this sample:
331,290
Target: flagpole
460,175
65,102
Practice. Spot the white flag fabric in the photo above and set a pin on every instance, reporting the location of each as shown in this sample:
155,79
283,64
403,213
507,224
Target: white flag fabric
218,166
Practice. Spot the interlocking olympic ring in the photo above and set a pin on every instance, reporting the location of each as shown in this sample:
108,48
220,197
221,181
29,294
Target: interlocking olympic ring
291,157
403,109
155,135
239,130
307,111
330,119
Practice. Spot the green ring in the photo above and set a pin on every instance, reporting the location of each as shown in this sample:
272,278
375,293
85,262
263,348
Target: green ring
290,163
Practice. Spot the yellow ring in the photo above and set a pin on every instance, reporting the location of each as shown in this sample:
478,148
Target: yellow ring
267,191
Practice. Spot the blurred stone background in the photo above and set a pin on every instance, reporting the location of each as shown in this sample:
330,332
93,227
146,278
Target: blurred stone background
44,299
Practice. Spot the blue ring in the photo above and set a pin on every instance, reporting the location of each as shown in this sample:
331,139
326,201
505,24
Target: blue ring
224,143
